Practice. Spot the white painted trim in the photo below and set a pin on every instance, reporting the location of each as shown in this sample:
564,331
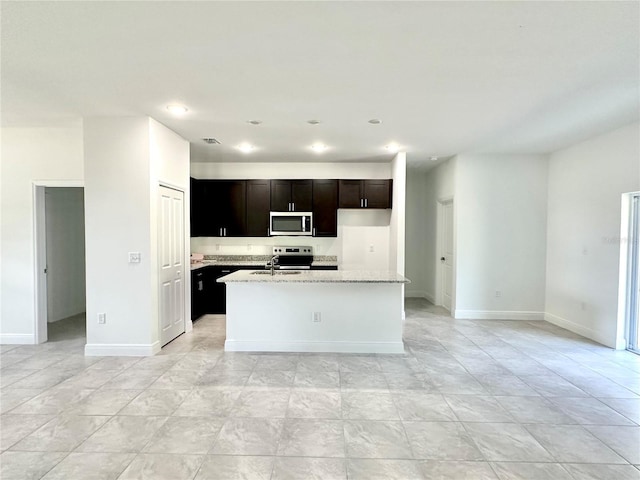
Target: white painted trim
498,315
430,297
415,294
121,350
40,263
58,183
331,347
579,329
17,339
186,257
39,253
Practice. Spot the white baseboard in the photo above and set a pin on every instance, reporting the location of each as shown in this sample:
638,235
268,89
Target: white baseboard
420,294
497,315
414,294
121,350
17,339
580,329
332,347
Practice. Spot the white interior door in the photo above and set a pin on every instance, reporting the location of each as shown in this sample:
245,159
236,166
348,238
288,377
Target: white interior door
171,263
446,257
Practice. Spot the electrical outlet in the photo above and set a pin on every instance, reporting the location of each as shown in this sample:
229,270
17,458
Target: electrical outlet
134,257
102,318
498,293
316,317
371,248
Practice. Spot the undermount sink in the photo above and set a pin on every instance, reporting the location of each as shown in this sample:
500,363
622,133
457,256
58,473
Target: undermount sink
277,272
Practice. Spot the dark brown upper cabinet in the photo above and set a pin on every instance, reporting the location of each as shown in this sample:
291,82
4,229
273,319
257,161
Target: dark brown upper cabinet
325,208
365,194
258,198
225,208
291,195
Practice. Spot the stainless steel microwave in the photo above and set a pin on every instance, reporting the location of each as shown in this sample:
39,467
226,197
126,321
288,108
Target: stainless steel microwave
291,223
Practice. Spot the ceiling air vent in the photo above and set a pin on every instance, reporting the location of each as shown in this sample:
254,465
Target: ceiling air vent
211,141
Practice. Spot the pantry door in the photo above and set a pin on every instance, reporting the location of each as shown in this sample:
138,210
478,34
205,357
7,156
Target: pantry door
171,263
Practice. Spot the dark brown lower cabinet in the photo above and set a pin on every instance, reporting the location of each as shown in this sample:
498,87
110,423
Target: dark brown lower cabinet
210,297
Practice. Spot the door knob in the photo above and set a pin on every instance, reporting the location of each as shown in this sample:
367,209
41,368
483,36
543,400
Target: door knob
442,259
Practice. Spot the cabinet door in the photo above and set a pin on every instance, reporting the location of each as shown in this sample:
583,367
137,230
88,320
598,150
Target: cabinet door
196,202
377,193
325,208
216,293
208,210
301,195
350,193
197,293
280,195
233,206
258,198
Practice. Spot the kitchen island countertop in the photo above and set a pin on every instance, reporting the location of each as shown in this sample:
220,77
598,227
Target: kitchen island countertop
314,276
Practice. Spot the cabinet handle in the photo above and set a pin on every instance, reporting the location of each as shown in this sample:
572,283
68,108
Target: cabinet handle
267,232
314,231
220,232
366,202
225,231
361,203
293,206
200,287
225,271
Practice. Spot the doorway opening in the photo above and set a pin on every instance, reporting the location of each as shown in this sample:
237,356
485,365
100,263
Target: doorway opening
632,307
60,264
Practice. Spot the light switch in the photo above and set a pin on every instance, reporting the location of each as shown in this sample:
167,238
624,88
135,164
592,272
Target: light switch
134,257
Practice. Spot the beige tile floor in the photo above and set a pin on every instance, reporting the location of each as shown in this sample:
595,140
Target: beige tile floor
469,400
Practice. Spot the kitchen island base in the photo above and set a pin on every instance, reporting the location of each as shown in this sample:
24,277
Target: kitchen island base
315,317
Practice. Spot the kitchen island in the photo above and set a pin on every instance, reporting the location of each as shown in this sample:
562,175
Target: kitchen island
351,311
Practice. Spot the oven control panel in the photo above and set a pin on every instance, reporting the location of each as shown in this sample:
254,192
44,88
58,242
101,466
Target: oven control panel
293,251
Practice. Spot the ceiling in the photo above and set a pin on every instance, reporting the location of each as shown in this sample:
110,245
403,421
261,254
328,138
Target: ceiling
444,77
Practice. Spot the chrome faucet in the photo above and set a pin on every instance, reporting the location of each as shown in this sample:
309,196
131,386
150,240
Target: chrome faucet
272,263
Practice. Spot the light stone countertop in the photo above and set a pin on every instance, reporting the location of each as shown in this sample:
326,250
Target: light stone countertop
315,276
253,263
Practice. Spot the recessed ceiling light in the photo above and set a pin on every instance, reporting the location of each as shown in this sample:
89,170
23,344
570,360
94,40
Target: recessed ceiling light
254,122
211,141
313,122
246,147
434,159
392,147
319,147
177,109
375,121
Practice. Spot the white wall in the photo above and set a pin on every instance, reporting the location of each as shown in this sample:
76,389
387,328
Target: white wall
170,167
583,247
65,252
28,154
125,159
415,230
118,216
500,209
398,213
359,231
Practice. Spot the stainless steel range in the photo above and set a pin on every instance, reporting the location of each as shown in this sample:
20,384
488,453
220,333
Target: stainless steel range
293,258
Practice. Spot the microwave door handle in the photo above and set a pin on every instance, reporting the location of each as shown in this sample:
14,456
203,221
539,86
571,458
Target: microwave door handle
304,226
